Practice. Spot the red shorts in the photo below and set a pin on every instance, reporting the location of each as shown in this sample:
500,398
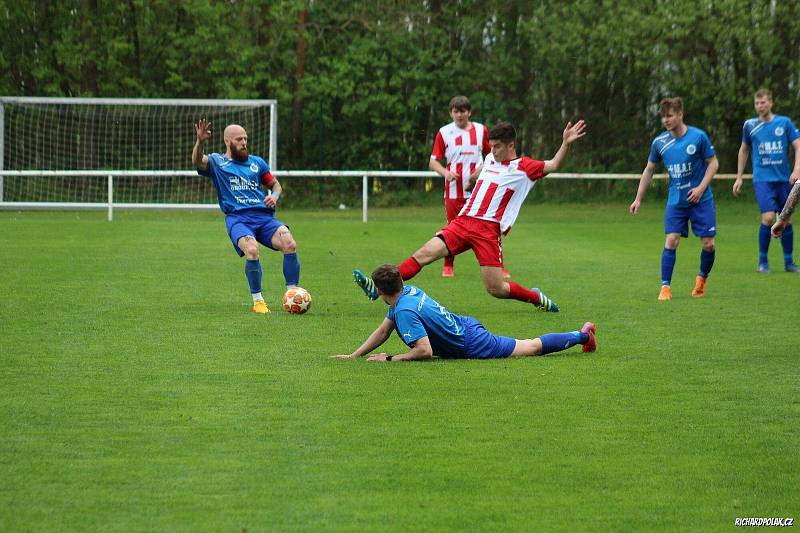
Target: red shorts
452,207
482,236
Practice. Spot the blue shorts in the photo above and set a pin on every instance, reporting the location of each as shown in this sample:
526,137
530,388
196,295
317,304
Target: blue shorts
254,223
702,215
771,195
480,344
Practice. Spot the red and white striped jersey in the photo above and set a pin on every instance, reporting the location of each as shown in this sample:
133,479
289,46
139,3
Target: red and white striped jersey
501,188
464,151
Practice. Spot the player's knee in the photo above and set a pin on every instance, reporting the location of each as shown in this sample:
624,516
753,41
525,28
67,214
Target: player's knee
709,246
768,219
251,250
289,246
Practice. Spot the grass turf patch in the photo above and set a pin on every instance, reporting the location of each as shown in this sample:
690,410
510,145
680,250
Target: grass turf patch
140,392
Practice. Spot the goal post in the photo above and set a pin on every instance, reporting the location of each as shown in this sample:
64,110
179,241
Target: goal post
64,137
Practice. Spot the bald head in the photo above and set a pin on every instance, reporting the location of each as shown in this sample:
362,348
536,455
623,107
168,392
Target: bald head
235,138
232,131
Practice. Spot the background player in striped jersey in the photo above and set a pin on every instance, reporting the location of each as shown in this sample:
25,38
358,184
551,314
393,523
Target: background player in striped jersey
504,183
691,163
462,144
771,136
429,329
249,211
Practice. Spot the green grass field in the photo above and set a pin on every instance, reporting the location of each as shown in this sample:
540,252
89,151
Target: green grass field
140,393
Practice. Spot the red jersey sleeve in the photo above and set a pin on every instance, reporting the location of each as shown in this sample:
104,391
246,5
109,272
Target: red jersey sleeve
532,167
486,148
438,147
268,179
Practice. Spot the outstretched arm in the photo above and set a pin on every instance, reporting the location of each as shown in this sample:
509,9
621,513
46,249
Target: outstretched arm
421,350
572,132
203,130
785,215
377,338
644,182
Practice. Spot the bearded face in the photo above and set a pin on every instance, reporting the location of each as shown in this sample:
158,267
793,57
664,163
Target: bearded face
239,153
236,141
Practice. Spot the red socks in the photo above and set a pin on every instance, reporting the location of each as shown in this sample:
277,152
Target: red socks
409,268
518,292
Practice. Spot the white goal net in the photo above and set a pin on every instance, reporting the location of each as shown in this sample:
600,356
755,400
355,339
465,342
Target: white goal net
82,152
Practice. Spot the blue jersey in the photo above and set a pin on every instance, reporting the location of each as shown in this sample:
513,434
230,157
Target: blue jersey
238,183
417,315
771,141
685,160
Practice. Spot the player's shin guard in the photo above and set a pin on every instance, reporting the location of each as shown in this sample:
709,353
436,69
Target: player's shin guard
518,292
556,342
764,236
706,262
409,268
291,269
787,240
252,269
667,266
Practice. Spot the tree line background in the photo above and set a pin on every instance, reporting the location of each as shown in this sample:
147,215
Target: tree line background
365,84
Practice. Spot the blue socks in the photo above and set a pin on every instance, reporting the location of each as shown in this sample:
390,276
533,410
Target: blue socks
787,240
667,266
291,272
764,235
291,269
706,262
252,269
556,342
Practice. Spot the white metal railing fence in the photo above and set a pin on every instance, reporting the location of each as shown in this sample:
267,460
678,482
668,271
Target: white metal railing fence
109,175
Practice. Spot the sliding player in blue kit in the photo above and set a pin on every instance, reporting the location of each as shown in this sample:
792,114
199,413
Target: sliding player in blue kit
690,160
249,211
770,135
429,329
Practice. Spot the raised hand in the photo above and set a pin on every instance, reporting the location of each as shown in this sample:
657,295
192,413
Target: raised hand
573,132
203,129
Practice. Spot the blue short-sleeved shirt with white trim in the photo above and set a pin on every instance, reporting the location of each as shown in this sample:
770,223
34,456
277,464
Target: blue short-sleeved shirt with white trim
770,143
684,159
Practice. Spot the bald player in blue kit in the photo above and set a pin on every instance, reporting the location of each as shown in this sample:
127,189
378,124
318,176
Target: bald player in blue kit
429,329
249,211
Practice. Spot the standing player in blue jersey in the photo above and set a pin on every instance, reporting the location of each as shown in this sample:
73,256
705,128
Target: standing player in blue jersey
249,211
771,136
690,160
429,329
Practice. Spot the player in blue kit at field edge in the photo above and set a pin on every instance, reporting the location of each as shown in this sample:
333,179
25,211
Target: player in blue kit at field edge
771,136
690,160
249,211
429,329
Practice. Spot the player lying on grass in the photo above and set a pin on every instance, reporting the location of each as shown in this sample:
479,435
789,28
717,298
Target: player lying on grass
429,329
504,183
249,211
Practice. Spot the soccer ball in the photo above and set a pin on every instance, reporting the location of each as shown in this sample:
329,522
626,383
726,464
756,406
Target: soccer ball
297,301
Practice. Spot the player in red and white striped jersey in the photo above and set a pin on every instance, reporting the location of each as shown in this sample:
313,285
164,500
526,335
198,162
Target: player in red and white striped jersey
463,145
504,182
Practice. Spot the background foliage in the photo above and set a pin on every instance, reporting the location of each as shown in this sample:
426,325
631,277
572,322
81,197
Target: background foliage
366,84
